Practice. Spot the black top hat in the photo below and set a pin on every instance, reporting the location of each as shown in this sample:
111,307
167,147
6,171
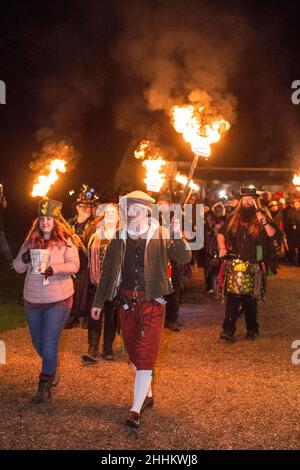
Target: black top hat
249,192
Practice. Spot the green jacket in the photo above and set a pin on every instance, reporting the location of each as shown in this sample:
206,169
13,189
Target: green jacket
159,249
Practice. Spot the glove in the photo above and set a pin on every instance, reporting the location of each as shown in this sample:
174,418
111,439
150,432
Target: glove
26,257
48,272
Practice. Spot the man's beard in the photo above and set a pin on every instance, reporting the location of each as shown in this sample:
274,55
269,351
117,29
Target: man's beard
247,213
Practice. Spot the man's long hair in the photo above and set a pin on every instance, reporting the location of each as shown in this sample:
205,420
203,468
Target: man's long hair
253,226
61,235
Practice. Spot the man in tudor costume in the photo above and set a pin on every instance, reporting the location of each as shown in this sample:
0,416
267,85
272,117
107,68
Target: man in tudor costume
136,268
247,241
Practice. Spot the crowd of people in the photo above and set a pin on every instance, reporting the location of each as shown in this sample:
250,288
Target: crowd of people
114,267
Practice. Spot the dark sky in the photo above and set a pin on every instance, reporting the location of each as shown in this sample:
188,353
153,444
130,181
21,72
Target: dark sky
88,71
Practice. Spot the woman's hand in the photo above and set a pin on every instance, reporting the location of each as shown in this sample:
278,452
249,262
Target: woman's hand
48,272
96,313
26,257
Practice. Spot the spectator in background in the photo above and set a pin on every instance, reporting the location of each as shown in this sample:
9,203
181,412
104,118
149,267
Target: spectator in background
3,241
231,205
165,203
97,238
291,224
79,223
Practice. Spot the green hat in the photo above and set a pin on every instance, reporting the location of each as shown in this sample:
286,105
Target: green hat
49,208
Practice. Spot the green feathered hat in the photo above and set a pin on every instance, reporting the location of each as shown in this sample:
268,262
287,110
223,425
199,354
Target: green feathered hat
49,208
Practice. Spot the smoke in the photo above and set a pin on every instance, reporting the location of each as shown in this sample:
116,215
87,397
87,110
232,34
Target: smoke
179,52
52,148
72,87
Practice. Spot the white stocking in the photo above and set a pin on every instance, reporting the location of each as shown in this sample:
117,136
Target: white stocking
142,386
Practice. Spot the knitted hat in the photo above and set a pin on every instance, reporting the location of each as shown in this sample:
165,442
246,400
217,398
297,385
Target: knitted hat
49,208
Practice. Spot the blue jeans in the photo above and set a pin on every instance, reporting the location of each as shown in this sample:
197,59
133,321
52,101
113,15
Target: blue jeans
45,326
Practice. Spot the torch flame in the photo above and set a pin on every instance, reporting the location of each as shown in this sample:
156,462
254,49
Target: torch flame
45,181
296,180
142,150
187,120
154,178
182,179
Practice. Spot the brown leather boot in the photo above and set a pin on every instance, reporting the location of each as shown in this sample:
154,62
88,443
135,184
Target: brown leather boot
133,420
43,393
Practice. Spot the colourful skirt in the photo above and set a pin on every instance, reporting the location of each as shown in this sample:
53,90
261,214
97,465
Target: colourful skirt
238,277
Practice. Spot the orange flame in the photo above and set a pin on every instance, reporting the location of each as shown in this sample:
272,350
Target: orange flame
45,181
182,179
296,179
142,150
154,178
188,121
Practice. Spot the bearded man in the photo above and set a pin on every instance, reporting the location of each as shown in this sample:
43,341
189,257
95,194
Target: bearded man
247,241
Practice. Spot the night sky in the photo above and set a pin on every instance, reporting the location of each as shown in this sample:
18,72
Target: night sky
100,73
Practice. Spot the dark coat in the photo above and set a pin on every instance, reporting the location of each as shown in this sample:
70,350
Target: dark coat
159,249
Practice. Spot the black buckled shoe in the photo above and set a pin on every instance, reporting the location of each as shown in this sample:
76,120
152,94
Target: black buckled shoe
90,360
227,337
173,326
252,335
133,420
108,356
43,393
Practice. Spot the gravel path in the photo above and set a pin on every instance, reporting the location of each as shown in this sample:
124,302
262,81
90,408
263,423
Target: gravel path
209,395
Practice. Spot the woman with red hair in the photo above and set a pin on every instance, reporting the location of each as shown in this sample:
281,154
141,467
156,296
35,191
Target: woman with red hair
49,256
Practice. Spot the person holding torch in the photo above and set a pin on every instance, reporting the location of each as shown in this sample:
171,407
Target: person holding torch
135,267
247,241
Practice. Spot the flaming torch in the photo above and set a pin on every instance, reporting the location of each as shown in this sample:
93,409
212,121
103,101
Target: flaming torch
150,153
199,132
182,179
154,178
46,180
296,181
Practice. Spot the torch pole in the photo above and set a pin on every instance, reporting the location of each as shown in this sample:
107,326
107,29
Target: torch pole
190,176
188,196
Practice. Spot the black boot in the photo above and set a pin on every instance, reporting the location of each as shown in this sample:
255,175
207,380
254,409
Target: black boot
43,393
92,356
